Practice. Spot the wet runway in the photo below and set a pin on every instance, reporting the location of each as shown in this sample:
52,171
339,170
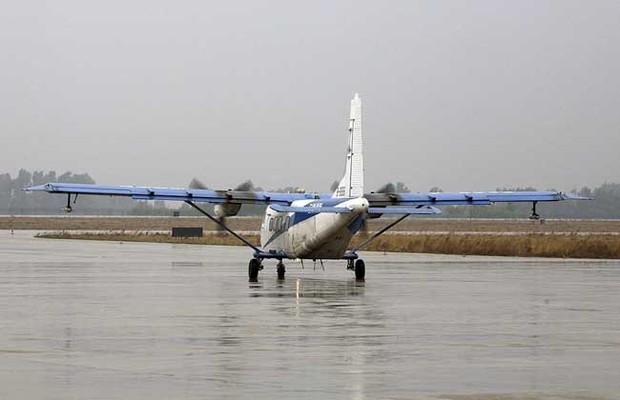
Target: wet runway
105,320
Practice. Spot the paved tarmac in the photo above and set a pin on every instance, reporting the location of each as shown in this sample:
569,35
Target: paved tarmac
105,320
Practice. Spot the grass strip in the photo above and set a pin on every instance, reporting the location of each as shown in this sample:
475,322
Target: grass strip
530,245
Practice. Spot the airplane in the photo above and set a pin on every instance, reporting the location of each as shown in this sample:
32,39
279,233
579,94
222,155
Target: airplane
313,226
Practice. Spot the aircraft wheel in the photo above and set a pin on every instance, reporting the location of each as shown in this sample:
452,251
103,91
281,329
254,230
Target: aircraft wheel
253,269
360,270
281,270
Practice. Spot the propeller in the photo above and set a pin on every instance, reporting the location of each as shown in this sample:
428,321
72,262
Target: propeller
222,211
197,184
387,188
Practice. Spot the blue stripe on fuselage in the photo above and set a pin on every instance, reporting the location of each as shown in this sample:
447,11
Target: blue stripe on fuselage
301,216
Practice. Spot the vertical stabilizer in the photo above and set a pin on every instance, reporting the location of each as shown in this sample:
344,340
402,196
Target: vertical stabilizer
352,183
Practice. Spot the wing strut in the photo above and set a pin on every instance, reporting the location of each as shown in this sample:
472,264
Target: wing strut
212,218
379,233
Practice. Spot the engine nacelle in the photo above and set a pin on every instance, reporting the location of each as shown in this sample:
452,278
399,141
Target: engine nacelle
226,210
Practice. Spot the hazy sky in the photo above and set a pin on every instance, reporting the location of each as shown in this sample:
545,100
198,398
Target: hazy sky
464,95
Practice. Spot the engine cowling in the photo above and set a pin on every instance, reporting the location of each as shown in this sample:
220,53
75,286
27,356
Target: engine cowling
226,210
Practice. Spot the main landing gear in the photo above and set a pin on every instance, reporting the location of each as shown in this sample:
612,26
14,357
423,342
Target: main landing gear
356,265
281,270
256,265
253,268
359,267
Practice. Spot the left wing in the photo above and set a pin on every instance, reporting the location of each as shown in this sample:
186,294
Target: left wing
178,194
463,198
424,203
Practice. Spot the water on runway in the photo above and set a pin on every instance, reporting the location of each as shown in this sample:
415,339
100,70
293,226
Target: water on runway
109,320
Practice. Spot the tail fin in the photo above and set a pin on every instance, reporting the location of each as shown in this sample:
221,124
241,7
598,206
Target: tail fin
352,184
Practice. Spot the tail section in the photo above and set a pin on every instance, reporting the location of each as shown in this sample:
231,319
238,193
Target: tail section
352,184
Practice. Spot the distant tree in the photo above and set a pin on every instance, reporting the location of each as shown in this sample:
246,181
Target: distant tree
586,191
14,201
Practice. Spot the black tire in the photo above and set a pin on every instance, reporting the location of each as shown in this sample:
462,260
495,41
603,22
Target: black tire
253,269
281,270
360,270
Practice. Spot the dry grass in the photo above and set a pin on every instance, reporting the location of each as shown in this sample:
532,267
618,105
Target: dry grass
215,239
77,222
553,238
531,245
90,223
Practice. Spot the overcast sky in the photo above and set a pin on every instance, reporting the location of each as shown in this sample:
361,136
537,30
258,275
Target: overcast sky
463,95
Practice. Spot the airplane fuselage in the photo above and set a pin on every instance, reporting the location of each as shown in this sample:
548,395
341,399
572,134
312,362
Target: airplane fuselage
313,235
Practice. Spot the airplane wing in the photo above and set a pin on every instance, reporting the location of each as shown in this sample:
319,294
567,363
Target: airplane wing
178,194
464,198
379,203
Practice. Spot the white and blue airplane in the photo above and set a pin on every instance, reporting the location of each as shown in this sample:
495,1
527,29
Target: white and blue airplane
313,226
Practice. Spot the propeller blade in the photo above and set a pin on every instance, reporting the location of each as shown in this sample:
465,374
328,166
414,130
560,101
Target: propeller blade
222,220
246,186
387,188
197,184
364,229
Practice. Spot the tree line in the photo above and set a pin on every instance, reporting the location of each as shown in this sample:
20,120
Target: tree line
14,201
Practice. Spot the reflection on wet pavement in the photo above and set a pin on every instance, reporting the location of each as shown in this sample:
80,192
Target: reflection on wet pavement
154,321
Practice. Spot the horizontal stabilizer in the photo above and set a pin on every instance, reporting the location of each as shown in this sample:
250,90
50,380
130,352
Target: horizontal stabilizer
404,210
310,210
